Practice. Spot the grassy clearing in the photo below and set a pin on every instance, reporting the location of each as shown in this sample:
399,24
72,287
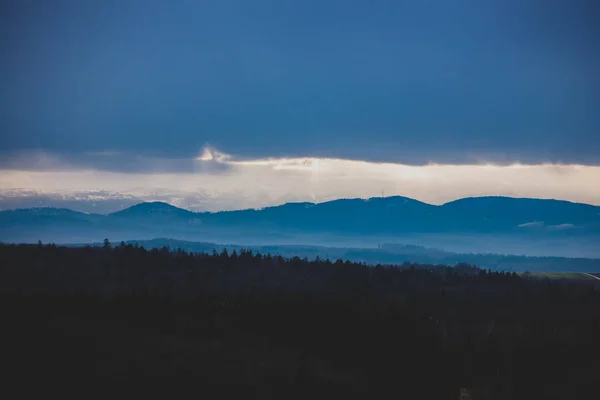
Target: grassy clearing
560,275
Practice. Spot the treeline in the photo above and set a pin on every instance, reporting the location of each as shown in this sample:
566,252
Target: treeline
133,269
290,327
396,254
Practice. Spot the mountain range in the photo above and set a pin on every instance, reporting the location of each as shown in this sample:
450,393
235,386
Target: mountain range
106,201
366,221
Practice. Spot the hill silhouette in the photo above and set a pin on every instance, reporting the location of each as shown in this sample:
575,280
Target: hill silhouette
152,211
361,218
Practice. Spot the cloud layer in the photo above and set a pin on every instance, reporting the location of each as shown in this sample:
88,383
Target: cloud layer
223,181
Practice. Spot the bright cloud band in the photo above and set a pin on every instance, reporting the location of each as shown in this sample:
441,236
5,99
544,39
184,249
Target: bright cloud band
270,181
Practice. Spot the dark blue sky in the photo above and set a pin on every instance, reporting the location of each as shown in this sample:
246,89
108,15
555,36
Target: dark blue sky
409,82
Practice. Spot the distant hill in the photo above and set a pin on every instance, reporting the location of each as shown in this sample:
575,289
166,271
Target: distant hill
388,253
375,217
153,211
506,212
106,202
90,201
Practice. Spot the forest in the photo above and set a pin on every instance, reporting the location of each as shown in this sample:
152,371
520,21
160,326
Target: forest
244,323
392,253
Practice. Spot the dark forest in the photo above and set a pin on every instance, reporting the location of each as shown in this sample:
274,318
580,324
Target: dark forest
262,326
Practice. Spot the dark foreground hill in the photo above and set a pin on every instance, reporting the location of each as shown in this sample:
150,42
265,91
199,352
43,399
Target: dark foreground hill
373,221
244,324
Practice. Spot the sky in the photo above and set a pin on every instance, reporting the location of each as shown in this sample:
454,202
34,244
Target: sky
433,100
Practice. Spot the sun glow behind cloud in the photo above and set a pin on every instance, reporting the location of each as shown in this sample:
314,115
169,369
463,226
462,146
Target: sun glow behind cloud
261,182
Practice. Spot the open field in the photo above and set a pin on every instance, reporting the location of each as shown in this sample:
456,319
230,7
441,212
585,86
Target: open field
565,275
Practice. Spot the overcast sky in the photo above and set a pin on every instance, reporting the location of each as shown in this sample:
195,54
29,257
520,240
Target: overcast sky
144,86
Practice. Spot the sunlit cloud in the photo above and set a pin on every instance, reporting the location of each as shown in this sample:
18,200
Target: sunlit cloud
209,154
228,182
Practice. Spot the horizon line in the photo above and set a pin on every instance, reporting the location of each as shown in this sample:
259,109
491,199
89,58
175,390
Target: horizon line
305,202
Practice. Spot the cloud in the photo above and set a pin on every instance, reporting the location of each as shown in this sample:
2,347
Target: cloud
209,154
250,183
562,226
534,224
539,224
110,161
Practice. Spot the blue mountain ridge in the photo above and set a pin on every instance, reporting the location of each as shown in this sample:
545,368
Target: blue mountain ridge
387,215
